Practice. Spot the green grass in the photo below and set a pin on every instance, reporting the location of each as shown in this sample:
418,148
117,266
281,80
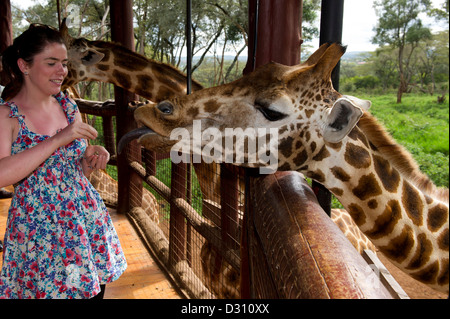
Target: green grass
418,120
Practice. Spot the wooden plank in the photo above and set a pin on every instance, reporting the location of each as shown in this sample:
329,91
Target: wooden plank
143,279
385,276
181,272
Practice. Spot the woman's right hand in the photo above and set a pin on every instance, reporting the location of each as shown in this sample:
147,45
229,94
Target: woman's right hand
78,129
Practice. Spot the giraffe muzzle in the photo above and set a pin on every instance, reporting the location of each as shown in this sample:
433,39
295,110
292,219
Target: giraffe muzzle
132,135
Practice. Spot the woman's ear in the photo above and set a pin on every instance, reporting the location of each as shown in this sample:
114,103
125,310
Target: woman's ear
23,66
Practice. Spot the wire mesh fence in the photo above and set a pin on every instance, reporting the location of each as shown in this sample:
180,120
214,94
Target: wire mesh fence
190,225
203,242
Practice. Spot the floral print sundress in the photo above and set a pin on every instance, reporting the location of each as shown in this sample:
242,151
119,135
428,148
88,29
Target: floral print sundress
60,241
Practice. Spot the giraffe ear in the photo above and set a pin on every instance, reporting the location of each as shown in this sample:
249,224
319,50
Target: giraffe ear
364,104
91,57
64,30
341,120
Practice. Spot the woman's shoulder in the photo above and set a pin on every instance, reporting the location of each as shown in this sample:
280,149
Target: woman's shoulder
69,106
5,118
4,109
64,97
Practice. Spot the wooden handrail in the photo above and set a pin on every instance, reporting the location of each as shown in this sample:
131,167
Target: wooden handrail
300,252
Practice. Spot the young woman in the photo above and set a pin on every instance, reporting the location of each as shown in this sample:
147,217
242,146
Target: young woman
60,241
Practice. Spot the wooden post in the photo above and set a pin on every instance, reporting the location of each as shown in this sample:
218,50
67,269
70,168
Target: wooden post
108,132
330,31
275,32
122,32
274,35
177,236
150,162
229,202
6,34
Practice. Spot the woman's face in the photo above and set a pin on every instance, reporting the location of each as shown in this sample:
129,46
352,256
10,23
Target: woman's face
48,69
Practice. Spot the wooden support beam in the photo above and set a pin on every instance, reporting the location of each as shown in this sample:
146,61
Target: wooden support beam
6,33
177,237
122,32
384,275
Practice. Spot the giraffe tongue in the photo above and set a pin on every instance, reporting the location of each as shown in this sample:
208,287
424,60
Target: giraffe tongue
132,135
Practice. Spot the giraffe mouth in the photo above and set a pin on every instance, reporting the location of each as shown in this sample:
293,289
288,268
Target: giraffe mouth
139,133
148,138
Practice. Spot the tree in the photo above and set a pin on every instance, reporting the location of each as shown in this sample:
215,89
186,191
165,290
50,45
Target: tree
385,67
399,26
441,14
432,62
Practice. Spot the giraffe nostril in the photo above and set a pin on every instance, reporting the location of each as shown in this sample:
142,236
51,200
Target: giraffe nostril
165,107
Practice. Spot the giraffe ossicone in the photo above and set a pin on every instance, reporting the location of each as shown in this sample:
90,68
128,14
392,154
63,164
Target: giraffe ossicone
334,140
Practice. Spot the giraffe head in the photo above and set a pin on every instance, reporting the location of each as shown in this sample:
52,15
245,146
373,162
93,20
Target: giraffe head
298,102
113,63
83,59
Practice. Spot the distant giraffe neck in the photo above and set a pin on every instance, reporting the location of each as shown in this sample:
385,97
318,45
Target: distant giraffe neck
393,204
150,79
134,72
346,224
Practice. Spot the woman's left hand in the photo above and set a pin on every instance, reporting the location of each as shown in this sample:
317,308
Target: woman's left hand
95,157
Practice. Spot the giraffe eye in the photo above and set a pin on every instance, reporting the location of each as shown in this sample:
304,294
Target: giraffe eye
269,114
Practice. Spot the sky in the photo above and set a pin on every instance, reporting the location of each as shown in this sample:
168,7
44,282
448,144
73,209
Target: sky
359,22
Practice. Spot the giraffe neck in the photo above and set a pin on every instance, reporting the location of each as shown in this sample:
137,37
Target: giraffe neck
390,200
129,70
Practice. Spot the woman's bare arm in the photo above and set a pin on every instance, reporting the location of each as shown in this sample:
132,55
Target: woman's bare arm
14,168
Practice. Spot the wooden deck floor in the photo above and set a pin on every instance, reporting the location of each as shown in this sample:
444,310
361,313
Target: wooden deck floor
143,279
